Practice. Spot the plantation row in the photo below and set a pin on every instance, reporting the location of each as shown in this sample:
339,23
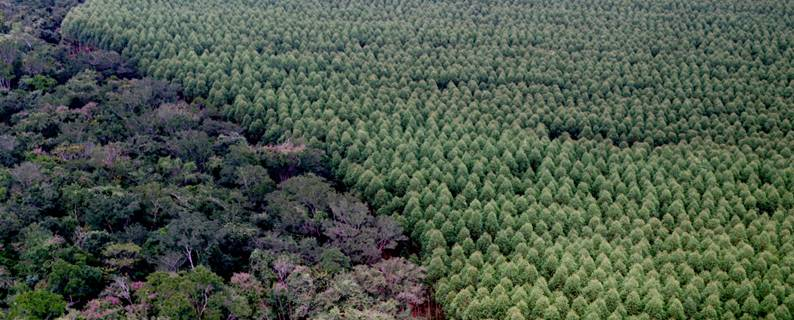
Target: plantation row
657,75
555,159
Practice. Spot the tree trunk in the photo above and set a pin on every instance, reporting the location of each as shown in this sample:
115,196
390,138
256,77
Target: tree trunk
189,254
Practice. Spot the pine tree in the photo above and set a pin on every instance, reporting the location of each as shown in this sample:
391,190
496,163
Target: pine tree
633,303
751,306
675,309
654,306
515,314
436,268
434,240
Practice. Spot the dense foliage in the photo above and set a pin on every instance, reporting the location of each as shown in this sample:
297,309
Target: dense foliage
556,159
119,200
38,18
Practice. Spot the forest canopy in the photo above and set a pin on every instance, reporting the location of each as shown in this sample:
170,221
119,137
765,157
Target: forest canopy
553,158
